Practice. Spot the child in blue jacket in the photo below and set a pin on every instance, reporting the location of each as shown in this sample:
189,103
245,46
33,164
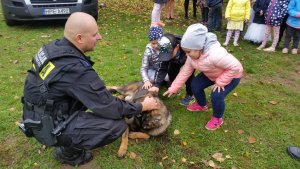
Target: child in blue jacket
293,27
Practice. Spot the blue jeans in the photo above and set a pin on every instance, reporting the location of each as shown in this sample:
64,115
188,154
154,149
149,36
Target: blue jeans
215,13
201,82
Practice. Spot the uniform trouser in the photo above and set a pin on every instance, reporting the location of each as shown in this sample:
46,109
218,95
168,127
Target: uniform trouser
186,8
201,82
215,12
88,131
173,71
204,13
292,33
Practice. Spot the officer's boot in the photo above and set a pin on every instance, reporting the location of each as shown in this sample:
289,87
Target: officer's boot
72,156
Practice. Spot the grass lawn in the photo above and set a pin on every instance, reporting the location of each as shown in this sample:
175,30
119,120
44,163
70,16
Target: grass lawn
261,119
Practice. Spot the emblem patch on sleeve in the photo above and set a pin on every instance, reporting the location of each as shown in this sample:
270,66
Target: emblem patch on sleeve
46,70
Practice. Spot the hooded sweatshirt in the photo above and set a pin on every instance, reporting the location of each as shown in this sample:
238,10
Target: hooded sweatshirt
215,62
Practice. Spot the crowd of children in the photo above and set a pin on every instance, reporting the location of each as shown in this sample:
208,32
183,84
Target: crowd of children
172,60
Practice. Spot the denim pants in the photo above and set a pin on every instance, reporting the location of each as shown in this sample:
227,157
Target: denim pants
215,12
201,82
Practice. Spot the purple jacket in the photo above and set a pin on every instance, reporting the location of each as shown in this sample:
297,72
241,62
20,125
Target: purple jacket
276,11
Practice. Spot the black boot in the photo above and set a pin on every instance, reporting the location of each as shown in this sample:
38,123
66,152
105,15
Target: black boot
72,156
294,152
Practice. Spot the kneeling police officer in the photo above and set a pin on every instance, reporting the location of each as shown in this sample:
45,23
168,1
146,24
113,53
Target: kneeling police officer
65,102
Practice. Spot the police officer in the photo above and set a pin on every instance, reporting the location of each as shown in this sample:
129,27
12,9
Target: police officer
66,104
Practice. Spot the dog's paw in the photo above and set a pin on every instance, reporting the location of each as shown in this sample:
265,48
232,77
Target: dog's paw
122,153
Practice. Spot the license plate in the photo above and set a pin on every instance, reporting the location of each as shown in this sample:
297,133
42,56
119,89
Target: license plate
56,11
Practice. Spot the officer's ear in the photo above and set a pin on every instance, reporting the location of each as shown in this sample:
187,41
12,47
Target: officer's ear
79,38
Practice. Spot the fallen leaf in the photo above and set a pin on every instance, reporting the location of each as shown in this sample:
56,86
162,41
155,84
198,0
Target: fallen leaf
218,157
165,157
176,132
251,139
12,109
161,164
211,164
235,94
174,161
247,154
228,157
132,155
192,162
45,36
16,97
273,102
241,131
15,62
226,131
184,143
35,164
183,159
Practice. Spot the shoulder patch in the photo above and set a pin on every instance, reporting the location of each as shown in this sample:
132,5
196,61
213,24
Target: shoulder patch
46,70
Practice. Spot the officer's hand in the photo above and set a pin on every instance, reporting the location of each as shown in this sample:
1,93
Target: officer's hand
149,103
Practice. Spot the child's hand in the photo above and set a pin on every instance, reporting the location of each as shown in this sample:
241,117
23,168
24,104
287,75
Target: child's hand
153,89
228,19
168,93
147,85
246,20
218,88
261,12
298,15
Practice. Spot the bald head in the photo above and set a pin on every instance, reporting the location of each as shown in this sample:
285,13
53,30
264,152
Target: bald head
80,28
78,22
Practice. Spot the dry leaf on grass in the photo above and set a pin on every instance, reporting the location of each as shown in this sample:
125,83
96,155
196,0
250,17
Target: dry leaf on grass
251,139
218,157
176,132
228,157
235,94
132,155
183,159
273,102
184,143
12,109
165,157
241,131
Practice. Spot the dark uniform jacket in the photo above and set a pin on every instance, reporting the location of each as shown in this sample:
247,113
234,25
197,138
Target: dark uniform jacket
65,75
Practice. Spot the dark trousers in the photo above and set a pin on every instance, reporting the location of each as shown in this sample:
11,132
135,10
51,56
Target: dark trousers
282,28
201,82
291,33
186,8
215,11
204,13
173,71
88,131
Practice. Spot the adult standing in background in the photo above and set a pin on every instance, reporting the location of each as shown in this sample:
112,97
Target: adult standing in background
186,8
170,9
215,12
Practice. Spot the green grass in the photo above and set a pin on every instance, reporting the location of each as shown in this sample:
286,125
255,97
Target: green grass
124,27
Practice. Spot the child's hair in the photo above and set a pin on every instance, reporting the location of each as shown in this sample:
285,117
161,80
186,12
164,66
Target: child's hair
174,41
155,33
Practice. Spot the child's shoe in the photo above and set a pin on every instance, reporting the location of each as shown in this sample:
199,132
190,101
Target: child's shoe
225,43
270,49
235,44
285,50
187,100
294,51
260,47
214,123
196,107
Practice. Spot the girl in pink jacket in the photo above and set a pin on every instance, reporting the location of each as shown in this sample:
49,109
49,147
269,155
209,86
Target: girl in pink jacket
218,68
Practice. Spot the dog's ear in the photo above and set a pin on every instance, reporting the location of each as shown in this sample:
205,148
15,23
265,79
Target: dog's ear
153,94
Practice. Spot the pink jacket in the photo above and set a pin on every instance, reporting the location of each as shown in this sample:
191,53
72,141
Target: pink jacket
217,64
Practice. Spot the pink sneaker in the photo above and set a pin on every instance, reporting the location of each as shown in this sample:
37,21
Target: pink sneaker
214,123
196,107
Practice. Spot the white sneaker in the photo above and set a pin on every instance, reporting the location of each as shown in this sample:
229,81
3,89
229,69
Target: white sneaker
270,49
260,47
285,50
225,44
294,51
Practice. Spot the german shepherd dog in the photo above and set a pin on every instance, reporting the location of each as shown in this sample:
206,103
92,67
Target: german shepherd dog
144,125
